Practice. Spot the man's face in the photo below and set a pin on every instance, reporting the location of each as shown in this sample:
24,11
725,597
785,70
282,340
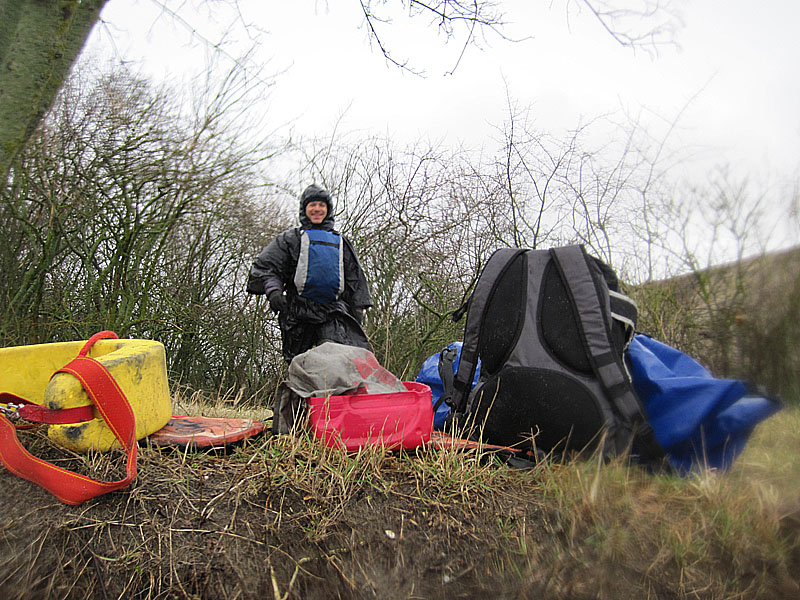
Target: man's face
316,211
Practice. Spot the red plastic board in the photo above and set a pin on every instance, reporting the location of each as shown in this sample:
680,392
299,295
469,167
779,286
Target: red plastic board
204,432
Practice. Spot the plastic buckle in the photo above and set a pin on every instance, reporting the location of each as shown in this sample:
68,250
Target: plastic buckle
449,354
10,411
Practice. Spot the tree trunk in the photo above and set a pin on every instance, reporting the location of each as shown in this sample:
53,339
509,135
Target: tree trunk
39,42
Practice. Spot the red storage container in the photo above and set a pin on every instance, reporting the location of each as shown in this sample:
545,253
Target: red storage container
399,420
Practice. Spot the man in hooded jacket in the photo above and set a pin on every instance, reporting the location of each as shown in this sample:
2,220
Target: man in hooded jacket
313,280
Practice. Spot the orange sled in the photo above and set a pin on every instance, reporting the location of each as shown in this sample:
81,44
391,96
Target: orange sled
204,432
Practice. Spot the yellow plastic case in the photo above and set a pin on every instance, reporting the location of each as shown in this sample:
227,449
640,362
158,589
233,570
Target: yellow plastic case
139,367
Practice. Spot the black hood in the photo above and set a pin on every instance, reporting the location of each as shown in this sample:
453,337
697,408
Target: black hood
315,192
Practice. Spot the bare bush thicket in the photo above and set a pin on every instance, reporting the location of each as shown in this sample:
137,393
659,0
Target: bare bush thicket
124,214
411,216
425,219
735,305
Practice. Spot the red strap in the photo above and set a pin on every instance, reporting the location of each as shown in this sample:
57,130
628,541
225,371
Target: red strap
108,398
101,335
36,413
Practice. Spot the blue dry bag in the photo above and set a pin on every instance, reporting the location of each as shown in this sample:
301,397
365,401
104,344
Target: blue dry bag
698,419
429,375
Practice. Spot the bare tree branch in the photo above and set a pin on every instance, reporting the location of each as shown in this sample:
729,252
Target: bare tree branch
641,24
451,17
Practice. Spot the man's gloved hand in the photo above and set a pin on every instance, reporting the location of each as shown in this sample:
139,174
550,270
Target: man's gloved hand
277,302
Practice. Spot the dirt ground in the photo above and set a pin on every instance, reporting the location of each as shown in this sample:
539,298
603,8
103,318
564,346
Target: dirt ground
275,521
224,530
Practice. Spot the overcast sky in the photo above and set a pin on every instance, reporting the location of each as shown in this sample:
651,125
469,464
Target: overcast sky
735,73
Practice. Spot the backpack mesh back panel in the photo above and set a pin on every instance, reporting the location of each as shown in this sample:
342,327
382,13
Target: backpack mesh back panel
542,358
559,330
521,402
504,315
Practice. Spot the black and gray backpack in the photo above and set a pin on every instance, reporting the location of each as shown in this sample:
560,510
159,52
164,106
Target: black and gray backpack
550,328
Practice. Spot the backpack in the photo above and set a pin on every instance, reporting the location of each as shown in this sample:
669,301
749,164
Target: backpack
550,328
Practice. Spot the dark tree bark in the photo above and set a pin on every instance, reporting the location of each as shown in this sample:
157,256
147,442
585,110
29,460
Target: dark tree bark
39,42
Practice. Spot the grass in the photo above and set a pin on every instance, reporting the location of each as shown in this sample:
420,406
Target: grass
286,517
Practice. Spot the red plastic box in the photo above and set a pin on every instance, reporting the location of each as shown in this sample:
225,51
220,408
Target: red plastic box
399,420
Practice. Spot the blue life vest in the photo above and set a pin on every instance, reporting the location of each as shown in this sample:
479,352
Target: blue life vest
320,267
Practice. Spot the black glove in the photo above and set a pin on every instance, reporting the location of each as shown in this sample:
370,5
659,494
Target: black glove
277,302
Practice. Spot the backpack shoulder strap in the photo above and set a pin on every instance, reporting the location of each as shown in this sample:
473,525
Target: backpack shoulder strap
625,311
588,306
462,383
447,357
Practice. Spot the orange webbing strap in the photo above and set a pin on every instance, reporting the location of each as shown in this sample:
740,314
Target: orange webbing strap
108,398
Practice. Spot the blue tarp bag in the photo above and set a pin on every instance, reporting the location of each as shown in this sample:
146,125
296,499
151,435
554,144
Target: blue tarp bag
429,375
700,421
